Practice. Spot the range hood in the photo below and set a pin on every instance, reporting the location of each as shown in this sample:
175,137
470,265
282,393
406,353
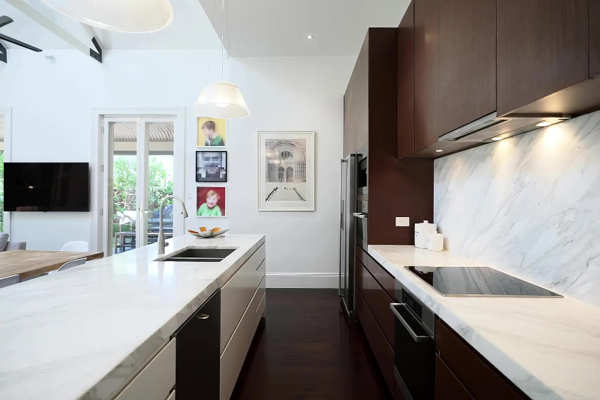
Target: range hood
493,128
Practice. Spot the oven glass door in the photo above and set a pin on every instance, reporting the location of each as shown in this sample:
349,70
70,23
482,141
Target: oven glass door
414,355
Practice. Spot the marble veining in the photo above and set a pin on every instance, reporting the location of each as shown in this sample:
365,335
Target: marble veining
529,206
84,333
548,347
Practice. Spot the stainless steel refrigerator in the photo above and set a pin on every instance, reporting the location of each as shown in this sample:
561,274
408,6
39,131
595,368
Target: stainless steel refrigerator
347,233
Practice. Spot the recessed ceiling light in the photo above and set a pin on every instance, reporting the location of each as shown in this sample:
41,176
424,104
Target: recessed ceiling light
439,150
543,123
310,37
495,139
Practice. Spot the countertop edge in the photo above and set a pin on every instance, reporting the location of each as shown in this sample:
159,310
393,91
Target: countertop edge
512,370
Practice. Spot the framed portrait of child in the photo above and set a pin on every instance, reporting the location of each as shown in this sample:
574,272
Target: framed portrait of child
212,132
211,202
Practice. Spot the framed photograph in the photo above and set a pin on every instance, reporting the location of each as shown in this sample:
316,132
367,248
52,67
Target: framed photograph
211,166
212,132
286,177
211,202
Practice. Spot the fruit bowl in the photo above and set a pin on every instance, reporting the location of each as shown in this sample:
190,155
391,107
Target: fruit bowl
205,233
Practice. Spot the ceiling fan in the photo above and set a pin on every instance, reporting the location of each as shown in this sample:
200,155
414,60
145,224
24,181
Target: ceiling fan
4,20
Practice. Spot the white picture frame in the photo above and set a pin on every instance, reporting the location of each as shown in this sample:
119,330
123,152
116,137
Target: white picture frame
286,171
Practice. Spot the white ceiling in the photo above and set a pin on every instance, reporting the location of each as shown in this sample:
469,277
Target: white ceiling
280,27
190,29
254,27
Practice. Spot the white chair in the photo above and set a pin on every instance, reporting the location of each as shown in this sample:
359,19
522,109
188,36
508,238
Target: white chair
9,280
78,245
71,264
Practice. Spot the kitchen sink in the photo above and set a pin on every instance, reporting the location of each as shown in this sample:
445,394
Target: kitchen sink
198,254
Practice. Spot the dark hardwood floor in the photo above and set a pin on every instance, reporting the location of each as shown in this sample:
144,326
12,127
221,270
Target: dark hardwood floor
306,349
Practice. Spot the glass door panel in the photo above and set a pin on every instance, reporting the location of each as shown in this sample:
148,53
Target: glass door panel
124,186
161,164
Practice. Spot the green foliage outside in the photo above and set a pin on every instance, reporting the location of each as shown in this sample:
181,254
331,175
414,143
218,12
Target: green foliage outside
125,178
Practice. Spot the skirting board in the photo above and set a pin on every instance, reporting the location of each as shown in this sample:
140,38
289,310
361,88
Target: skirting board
303,280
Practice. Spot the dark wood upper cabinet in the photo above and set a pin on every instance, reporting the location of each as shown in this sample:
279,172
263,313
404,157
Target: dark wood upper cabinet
362,96
350,117
467,62
426,73
406,83
542,49
594,38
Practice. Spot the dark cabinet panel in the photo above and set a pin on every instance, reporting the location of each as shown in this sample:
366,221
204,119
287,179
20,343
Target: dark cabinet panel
198,353
477,375
447,386
379,344
542,48
406,83
378,302
350,117
387,281
467,62
594,37
426,73
362,96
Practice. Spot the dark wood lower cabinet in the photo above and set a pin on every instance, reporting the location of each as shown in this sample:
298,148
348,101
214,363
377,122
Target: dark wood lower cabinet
198,353
447,385
379,344
377,300
479,378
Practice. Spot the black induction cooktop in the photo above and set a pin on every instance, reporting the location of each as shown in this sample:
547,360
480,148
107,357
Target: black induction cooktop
478,281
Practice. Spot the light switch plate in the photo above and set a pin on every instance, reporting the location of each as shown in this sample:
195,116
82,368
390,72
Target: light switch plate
402,221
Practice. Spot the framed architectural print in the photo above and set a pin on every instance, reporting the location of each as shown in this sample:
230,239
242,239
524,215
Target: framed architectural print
211,166
211,202
286,171
212,132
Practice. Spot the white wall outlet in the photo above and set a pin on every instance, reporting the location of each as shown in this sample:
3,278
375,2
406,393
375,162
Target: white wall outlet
402,221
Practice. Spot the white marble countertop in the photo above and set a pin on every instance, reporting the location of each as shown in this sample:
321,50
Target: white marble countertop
548,347
84,332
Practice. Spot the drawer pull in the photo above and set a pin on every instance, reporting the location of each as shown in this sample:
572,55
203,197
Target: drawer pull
419,338
203,316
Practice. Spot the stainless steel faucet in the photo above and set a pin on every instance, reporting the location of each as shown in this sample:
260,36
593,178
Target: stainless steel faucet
161,235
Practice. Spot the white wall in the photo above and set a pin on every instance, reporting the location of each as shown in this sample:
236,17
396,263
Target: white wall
53,103
291,94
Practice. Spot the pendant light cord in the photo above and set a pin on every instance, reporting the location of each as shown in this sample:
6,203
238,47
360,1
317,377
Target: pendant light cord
224,21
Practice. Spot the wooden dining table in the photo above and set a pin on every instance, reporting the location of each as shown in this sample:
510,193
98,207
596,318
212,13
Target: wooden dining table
30,263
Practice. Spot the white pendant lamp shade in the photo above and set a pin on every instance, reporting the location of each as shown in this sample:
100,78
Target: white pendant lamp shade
130,16
221,100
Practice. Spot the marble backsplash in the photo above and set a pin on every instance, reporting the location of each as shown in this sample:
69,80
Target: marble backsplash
529,206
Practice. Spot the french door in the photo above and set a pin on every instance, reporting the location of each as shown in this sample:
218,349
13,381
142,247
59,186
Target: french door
139,170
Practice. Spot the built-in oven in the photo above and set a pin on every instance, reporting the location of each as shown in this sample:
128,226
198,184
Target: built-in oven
361,214
414,360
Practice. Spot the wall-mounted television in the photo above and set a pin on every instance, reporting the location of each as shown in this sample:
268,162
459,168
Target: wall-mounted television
46,186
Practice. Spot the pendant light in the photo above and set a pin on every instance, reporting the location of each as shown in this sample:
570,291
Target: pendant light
129,16
221,99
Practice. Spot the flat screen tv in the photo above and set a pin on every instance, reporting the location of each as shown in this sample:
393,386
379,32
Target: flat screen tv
46,186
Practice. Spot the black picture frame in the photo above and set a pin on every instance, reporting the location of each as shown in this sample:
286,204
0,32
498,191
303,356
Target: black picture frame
211,179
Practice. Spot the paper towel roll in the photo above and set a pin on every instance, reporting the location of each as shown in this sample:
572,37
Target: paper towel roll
435,242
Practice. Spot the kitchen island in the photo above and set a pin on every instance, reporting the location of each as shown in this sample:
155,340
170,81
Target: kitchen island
87,332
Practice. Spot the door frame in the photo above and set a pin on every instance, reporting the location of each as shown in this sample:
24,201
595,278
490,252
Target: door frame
100,157
7,112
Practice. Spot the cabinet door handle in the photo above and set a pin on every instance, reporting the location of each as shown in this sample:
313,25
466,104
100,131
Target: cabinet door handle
203,316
